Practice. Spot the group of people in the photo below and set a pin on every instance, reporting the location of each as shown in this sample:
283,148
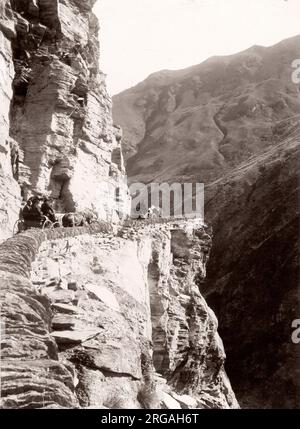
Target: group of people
37,208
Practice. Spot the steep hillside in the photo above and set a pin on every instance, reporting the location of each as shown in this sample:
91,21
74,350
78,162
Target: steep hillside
197,123
253,274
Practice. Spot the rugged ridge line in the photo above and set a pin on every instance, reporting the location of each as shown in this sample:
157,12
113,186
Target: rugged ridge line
198,123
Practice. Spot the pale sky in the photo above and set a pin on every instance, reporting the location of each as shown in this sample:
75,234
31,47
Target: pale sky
139,37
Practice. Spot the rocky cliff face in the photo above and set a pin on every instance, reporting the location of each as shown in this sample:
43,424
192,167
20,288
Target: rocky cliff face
253,274
9,189
124,328
57,132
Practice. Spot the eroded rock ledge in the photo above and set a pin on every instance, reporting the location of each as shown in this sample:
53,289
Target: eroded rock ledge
110,319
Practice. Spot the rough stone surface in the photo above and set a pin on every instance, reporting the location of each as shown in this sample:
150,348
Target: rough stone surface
71,337
187,349
9,190
56,131
101,354
31,375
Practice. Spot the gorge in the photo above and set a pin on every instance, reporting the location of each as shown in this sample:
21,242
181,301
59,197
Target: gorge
129,313
233,123
101,316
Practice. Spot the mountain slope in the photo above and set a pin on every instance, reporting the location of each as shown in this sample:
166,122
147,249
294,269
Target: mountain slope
197,123
253,274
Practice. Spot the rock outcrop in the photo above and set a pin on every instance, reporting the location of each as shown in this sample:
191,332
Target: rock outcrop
9,189
127,327
57,134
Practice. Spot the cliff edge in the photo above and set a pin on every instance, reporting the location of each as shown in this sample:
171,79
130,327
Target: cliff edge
110,319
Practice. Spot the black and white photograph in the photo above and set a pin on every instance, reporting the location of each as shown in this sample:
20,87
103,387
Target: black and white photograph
149,208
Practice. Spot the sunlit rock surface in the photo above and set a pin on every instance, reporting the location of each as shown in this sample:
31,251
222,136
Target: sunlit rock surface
114,321
9,189
56,128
